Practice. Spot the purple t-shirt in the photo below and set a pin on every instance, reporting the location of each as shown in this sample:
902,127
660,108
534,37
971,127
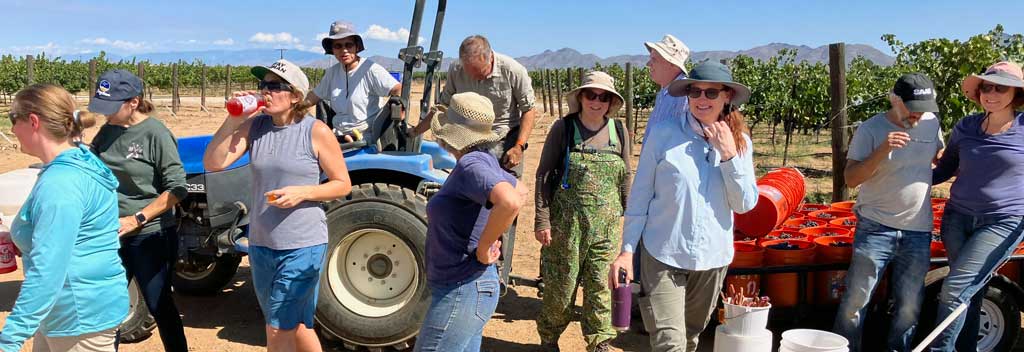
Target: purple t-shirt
456,216
991,168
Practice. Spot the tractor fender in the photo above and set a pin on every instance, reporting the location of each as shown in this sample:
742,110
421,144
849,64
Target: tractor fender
936,276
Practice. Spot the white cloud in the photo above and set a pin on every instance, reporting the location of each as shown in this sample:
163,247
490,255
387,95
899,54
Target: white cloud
188,42
48,48
126,45
312,48
95,41
379,32
227,41
320,36
272,38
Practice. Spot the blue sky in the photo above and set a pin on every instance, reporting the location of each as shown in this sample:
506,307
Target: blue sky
519,27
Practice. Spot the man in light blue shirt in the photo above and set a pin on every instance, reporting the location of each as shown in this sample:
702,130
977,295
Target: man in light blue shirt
667,64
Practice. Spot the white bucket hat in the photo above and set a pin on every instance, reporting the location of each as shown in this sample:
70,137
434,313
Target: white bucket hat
465,122
672,49
288,71
596,80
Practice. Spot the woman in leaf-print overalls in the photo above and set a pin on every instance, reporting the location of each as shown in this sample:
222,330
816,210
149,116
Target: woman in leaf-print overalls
581,191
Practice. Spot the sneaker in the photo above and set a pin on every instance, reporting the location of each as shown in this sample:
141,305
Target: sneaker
604,346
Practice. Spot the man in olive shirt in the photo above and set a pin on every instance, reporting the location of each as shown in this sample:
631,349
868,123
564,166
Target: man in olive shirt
507,84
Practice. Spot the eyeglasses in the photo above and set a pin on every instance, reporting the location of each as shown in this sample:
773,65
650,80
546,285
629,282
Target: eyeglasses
344,45
12,116
603,97
988,88
694,92
274,86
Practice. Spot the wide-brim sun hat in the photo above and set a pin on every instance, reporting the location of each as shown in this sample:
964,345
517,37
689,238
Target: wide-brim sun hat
672,50
288,71
595,80
466,122
339,30
1004,73
711,72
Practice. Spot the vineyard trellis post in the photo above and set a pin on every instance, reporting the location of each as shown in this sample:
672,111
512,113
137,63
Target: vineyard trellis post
547,86
202,88
141,70
30,71
174,89
227,83
558,85
630,121
837,90
579,74
544,92
92,79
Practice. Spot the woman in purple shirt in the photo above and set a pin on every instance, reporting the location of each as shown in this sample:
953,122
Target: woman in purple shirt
465,219
982,223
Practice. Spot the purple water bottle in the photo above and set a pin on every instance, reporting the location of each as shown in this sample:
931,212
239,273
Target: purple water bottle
622,301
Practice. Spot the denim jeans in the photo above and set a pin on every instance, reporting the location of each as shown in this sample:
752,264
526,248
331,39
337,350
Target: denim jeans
976,245
875,246
458,312
149,258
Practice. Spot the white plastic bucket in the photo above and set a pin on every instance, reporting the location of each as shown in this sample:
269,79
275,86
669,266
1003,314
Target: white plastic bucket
809,340
745,321
726,342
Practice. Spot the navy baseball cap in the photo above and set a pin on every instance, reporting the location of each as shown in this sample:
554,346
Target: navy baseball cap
113,88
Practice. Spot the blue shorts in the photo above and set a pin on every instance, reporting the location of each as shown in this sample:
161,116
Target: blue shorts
287,283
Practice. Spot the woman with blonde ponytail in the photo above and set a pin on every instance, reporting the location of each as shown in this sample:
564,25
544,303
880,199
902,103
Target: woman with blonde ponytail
74,294
143,154
692,176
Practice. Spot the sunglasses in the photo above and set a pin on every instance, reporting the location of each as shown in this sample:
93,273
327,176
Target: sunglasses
988,88
11,115
694,92
603,97
344,45
274,86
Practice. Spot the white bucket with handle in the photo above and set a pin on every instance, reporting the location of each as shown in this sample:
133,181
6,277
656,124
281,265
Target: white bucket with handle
810,340
745,321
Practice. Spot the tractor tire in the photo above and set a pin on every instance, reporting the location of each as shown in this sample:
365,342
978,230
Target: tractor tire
999,320
373,289
139,324
206,280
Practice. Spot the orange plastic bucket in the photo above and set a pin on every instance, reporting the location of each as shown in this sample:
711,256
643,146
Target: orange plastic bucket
807,208
785,235
848,223
826,231
831,285
843,206
779,193
783,289
829,215
797,224
740,238
746,256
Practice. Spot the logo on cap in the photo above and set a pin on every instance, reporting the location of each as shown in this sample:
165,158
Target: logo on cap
279,66
923,91
102,88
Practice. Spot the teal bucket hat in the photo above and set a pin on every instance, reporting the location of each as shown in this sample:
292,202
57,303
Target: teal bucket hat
711,72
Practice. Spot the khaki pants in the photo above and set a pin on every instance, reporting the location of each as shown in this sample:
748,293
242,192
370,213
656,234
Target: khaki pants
103,341
677,304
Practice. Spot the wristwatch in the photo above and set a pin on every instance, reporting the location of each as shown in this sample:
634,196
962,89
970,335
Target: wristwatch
523,146
140,218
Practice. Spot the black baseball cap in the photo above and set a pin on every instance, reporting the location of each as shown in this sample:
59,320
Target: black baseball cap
917,92
113,88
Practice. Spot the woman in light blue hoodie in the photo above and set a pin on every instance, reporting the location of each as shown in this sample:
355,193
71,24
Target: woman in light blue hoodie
75,294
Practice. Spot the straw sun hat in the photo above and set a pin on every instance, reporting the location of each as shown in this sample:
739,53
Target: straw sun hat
596,80
465,122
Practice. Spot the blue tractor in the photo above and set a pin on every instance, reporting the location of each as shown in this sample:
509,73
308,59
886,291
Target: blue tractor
373,290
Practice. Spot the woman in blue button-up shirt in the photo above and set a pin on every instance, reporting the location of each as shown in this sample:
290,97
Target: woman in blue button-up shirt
692,176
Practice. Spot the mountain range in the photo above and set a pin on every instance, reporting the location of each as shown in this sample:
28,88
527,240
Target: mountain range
561,58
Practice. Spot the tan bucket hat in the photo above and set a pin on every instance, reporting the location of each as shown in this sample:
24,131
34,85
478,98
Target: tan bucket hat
596,80
465,122
1004,73
672,49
